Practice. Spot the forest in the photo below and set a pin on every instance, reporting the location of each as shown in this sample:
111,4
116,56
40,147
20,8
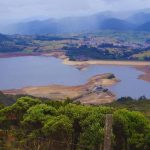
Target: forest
42,124
105,52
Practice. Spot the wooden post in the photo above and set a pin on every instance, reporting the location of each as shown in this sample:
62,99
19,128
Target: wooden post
108,132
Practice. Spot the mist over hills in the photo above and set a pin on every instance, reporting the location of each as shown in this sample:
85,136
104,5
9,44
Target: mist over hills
144,27
140,18
64,25
116,24
139,21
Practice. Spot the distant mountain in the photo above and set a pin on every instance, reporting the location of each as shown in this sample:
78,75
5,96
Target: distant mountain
65,25
73,25
144,27
37,27
105,21
116,24
140,18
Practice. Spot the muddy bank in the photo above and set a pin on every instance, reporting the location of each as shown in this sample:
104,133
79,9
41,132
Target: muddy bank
146,70
105,62
7,55
57,53
81,64
93,92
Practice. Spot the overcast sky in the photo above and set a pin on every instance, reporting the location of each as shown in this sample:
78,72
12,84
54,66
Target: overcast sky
15,10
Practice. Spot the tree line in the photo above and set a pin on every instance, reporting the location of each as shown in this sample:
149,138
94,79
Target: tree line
37,124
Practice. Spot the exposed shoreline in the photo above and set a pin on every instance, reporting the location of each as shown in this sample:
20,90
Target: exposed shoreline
139,65
10,55
61,55
143,66
90,93
106,62
146,70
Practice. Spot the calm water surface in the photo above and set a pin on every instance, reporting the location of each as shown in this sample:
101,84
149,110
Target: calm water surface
20,72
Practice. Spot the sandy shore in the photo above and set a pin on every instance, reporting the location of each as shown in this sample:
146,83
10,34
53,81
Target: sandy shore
89,93
106,62
81,64
146,70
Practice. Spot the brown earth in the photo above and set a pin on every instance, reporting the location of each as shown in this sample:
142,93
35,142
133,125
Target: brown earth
89,93
146,70
56,53
83,64
80,64
7,55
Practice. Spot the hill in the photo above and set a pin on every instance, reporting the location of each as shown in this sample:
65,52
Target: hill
60,26
90,23
139,18
144,27
116,24
73,25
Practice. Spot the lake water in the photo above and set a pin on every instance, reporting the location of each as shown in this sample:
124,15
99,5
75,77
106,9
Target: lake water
18,72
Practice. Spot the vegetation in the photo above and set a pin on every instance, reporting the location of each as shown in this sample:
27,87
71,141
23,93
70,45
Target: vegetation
38,124
107,52
7,99
109,45
142,104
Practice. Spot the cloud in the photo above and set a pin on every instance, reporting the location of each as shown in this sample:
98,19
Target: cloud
21,9
15,10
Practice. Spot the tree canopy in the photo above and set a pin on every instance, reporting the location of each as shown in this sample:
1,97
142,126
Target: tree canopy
31,123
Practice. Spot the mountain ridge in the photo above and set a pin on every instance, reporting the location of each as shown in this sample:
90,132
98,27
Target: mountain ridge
100,21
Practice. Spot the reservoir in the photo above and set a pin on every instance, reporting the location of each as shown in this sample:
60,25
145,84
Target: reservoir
19,72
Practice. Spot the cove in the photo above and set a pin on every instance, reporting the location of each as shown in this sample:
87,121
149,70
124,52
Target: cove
19,72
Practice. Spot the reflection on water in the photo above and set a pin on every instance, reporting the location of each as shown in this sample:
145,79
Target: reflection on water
20,72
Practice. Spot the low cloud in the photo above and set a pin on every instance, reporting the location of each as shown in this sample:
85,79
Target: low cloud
16,10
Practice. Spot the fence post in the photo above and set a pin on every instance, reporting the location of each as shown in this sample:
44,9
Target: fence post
108,132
